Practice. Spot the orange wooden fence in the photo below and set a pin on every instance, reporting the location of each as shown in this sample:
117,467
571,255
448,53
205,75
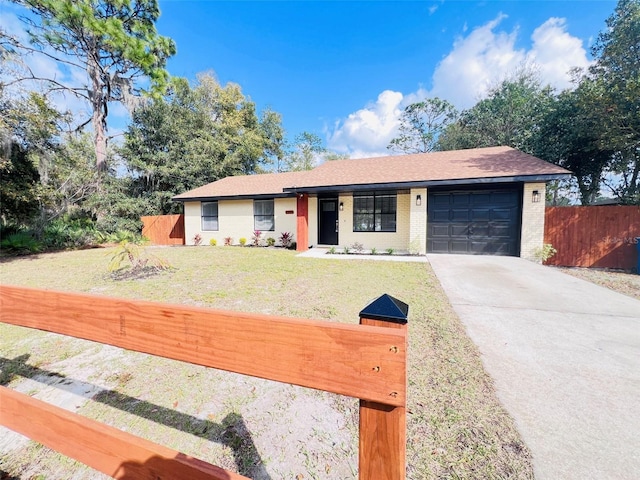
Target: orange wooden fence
597,236
164,229
366,361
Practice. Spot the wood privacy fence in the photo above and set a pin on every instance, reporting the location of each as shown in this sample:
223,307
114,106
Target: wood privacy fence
164,229
366,361
596,236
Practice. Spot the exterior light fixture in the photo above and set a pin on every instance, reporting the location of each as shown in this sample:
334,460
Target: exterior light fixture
535,196
341,206
418,200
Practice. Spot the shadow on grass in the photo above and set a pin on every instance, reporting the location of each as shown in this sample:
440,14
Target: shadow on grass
231,431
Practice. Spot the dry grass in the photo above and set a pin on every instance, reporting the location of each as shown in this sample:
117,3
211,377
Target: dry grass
265,430
621,282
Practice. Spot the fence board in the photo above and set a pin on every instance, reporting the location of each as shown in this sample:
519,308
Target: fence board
164,229
353,360
594,236
103,448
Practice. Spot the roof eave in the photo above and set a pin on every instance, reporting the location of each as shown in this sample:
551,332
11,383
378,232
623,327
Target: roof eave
209,198
429,183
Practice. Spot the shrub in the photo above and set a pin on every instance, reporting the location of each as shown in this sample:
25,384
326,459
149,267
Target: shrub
286,239
357,247
271,241
197,239
228,241
243,241
346,250
255,238
213,242
544,253
21,243
130,261
374,251
332,250
390,251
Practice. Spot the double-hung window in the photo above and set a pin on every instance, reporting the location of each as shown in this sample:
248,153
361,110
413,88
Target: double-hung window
209,216
374,212
263,217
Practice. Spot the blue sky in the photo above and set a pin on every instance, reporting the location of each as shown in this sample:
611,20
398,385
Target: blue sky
345,69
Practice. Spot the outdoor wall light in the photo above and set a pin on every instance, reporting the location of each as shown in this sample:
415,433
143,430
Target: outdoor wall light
418,200
535,196
341,206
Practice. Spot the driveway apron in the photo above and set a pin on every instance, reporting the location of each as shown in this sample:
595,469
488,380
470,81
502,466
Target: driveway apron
565,358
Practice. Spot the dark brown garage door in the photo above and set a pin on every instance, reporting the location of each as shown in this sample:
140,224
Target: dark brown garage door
479,221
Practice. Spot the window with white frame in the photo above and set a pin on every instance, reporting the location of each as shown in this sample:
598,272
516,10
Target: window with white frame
263,215
209,216
374,212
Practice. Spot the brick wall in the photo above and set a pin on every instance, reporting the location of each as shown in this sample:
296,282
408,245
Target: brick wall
532,235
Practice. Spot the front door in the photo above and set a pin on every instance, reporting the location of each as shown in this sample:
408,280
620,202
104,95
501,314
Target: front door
328,221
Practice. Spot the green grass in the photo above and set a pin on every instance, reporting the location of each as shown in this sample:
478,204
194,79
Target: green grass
456,426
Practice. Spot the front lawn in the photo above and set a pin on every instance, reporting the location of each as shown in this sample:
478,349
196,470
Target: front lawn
264,430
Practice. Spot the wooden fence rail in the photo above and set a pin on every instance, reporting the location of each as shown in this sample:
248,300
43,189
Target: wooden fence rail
366,361
593,236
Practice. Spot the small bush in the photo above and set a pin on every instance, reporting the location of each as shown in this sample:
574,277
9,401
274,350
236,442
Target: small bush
374,251
228,241
390,251
544,253
21,243
255,238
271,241
357,247
130,261
213,242
332,250
286,239
346,250
197,239
243,241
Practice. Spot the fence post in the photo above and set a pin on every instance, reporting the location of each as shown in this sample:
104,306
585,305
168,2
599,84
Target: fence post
383,428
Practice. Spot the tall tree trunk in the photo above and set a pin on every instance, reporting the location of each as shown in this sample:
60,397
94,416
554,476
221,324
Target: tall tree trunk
99,110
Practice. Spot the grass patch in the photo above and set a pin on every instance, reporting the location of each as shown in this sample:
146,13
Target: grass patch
621,282
456,426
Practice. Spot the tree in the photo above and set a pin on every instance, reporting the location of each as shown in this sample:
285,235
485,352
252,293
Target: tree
617,69
421,124
193,136
306,152
113,41
509,116
570,135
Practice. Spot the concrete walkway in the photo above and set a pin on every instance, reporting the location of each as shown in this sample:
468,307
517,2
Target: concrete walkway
565,357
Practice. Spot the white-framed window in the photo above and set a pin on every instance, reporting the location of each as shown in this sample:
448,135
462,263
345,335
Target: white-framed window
263,215
209,216
374,212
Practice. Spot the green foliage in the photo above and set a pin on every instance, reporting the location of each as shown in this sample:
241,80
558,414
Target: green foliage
128,260
545,252
307,149
374,251
332,250
242,241
271,241
509,116
346,250
421,124
213,242
194,136
20,243
255,238
70,233
390,251
114,41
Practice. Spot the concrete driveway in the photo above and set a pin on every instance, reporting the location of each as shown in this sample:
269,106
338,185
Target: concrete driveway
565,357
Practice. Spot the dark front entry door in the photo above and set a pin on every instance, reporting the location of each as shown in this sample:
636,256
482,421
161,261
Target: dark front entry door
328,221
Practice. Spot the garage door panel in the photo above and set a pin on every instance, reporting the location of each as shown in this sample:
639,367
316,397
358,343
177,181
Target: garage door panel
484,221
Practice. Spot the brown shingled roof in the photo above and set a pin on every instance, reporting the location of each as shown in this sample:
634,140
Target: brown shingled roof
477,163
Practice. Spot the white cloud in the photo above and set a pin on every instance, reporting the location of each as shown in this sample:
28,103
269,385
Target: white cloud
476,62
367,132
